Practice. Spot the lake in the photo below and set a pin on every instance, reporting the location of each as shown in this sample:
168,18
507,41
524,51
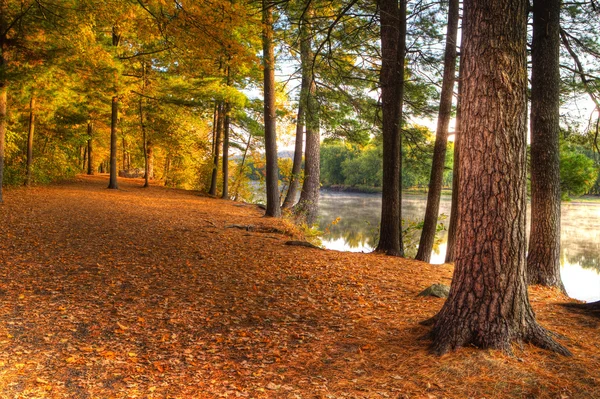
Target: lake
350,222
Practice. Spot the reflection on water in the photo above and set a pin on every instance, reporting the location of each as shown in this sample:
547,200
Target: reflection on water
357,228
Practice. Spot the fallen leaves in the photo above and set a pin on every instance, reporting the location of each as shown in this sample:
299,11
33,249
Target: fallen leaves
145,293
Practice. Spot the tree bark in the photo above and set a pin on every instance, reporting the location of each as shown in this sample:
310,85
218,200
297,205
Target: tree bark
226,123
3,89
306,63
393,37
292,192
308,204
30,140
217,143
441,137
272,169
488,304
112,184
90,155
543,258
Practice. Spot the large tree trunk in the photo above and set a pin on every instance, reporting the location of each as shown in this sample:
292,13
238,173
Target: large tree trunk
308,204
90,155
217,143
112,184
488,304
543,258
272,169
225,193
441,137
393,37
30,140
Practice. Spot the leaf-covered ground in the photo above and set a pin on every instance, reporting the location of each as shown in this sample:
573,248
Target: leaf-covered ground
145,293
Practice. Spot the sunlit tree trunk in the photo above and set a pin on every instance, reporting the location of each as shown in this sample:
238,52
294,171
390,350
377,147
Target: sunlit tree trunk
217,144
272,169
393,37
226,123
454,215
441,137
90,155
30,140
488,305
543,258
112,184
308,204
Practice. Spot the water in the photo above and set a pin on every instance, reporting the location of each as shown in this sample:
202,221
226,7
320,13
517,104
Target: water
350,222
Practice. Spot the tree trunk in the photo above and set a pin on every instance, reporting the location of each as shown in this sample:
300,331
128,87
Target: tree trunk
90,168
150,151
308,205
488,304
113,144
272,169
2,125
84,158
241,172
543,259
30,140
225,193
217,143
124,142
306,63
441,138
393,36
3,89
144,145
292,192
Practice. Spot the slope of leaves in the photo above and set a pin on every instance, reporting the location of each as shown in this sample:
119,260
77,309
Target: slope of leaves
145,293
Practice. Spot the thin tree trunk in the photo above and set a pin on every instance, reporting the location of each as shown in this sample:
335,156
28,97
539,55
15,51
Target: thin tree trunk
113,144
454,215
144,145
30,140
225,194
308,204
488,304
2,127
393,36
124,142
292,193
272,169
84,158
90,168
217,141
150,150
441,137
543,258
241,172
3,89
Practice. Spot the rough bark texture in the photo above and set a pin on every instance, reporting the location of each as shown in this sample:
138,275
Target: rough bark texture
308,204
272,170
226,123
454,215
393,36
488,304
441,138
543,258
217,143
112,184
30,140
90,153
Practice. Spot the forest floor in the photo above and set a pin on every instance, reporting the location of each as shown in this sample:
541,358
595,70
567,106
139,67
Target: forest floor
145,293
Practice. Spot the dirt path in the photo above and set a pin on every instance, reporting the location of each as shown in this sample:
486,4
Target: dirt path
145,293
